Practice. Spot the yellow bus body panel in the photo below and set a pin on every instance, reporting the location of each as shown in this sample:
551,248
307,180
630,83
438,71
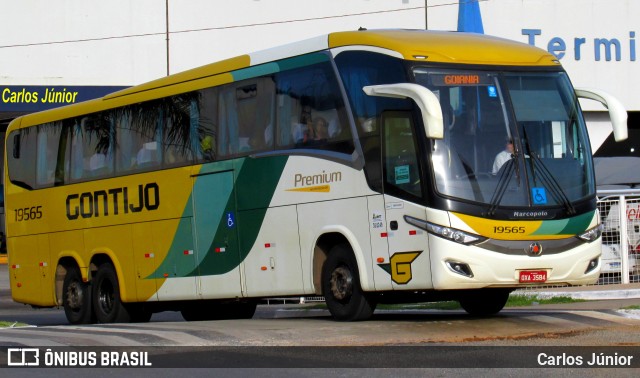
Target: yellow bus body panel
447,47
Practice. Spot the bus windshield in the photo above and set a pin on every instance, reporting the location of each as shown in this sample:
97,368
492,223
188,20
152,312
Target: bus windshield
511,139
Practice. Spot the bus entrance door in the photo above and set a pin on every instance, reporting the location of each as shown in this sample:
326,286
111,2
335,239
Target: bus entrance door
216,235
409,264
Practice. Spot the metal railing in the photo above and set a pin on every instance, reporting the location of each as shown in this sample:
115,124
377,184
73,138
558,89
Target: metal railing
620,216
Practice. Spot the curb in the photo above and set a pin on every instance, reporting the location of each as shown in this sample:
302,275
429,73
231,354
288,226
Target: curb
3,259
594,295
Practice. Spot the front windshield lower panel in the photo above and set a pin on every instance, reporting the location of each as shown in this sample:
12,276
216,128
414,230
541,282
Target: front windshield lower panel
511,140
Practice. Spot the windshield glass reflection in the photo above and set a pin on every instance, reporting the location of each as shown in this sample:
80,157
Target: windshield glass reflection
510,139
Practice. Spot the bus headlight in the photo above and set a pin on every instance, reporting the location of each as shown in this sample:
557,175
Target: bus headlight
449,233
592,234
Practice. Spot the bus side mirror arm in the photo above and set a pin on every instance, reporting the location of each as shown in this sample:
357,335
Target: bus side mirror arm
424,98
617,112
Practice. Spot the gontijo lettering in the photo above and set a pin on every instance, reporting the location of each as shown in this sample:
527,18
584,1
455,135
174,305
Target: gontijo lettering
100,202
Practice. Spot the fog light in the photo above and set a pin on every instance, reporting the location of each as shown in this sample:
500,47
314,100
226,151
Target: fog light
459,268
592,265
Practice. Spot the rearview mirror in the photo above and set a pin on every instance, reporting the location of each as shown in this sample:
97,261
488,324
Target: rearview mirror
424,98
617,112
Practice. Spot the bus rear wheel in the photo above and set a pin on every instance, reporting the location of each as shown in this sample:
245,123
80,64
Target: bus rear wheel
76,298
341,286
107,305
484,302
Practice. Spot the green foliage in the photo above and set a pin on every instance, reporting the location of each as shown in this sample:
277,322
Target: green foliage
528,300
5,324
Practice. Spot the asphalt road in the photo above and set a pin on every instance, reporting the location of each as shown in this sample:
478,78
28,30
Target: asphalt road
304,341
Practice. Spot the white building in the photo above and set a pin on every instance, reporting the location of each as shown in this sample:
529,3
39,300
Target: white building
93,47
595,40
72,50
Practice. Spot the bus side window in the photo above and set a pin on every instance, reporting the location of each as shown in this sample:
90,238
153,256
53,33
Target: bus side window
22,157
179,125
310,110
207,128
125,158
94,142
245,118
49,137
228,138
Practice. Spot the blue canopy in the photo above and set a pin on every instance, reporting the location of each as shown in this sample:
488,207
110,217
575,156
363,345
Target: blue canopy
469,17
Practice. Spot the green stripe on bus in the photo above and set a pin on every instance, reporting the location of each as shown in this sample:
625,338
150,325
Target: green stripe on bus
286,64
571,226
254,188
222,247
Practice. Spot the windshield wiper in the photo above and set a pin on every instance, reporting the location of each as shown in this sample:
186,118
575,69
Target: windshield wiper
547,177
503,184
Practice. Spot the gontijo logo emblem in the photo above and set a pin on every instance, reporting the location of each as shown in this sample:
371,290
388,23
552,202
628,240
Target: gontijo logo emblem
399,266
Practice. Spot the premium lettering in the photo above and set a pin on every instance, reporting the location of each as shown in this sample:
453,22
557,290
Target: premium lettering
322,178
113,201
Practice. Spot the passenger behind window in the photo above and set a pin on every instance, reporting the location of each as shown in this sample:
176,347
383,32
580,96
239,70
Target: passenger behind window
148,154
298,131
100,164
207,148
503,156
315,133
304,130
320,131
97,161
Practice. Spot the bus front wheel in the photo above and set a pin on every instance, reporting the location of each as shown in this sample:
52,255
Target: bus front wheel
107,305
76,297
484,302
341,286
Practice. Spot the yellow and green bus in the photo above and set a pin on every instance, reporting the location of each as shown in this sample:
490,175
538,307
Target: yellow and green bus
357,165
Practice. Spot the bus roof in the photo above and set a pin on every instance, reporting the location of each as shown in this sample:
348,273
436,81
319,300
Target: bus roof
417,45
435,46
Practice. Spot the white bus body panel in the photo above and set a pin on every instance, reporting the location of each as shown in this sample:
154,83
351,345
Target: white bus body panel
498,269
274,266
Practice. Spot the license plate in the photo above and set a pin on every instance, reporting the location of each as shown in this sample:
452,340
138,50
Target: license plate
533,276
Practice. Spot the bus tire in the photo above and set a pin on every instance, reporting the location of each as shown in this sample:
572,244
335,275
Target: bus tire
484,302
341,286
107,304
76,298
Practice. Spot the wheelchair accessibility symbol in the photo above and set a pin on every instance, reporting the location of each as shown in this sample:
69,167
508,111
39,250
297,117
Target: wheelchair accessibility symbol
231,221
539,196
